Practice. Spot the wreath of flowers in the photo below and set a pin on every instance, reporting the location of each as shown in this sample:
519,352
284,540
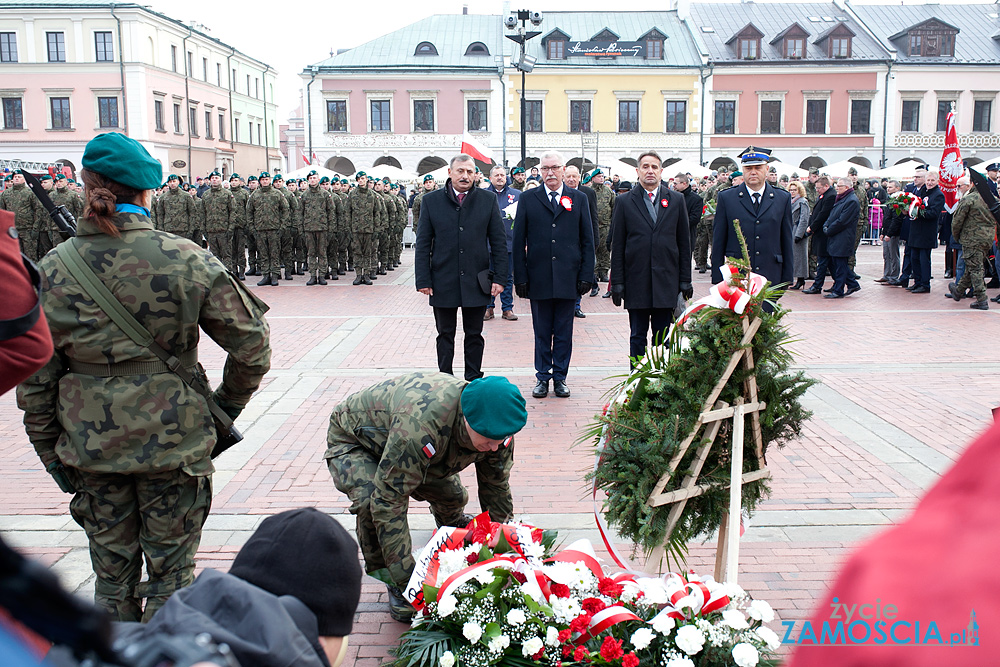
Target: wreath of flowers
906,204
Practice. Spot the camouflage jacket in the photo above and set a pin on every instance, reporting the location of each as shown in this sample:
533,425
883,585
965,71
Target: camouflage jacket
605,204
401,211
340,225
381,213
294,219
859,190
414,426
176,212
812,196
66,197
517,186
267,210
240,197
139,422
361,211
22,202
972,224
220,209
198,216
319,211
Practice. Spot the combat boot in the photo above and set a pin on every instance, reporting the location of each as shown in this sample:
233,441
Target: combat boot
373,275
252,271
322,280
333,276
275,277
381,270
399,607
312,281
980,305
367,280
359,280
266,280
341,270
288,273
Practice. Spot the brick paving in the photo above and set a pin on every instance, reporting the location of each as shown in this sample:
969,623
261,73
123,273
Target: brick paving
904,386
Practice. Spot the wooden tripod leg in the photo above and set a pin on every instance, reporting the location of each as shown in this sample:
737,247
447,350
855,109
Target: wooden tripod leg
722,548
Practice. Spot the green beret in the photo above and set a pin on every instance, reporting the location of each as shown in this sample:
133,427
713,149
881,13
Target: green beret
394,186
324,179
252,178
596,172
264,174
428,177
735,174
494,407
517,170
123,160
312,173
278,177
360,174
215,173
586,179
60,177
234,176
386,181
173,177
344,181
45,177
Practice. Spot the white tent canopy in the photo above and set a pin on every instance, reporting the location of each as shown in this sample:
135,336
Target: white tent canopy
625,171
393,173
838,169
301,172
440,174
686,167
785,169
901,170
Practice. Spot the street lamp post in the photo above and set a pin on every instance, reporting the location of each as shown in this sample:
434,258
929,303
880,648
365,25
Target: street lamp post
524,62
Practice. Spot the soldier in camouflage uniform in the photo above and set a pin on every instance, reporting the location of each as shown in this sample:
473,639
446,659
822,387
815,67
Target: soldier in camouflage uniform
605,208
109,420
362,210
345,239
48,233
319,216
410,437
973,226
429,186
289,230
859,230
299,243
220,210
253,254
198,219
238,235
811,195
175,209
517,178
380,260
267,215
22,202
62,195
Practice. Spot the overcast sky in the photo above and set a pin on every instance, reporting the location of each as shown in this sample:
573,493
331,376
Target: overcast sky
288,37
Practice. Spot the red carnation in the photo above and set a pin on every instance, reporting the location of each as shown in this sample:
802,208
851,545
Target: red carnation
564,634
580,654
581,623
472,558
567,650
519,577
538,656
611,649
608,587
630,660
593,605
560,590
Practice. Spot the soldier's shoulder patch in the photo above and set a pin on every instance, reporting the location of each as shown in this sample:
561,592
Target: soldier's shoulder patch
429,450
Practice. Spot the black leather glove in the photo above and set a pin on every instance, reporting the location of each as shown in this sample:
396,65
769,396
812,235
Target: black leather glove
617,294
232,410
521,289
58,472
687,290
582,287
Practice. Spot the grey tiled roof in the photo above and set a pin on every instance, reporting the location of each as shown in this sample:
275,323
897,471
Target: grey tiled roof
716,23
451,35
978,24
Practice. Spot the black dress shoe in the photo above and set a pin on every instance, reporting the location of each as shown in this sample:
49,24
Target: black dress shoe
812,290
561,390
996,299
852,290
828,290
541,389
910,288
595,291
833,295
580,313
921,290
948,274
606,295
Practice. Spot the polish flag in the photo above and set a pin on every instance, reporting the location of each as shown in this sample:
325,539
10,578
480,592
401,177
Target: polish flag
472,147
305,158
952,168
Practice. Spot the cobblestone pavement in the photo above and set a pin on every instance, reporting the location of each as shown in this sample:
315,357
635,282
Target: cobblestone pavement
904,388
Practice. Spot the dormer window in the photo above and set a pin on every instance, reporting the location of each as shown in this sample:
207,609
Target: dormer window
792,42
916,44
654,49
933,38
557,49
605,36
747,42
840,47
795,47
477,49
425,49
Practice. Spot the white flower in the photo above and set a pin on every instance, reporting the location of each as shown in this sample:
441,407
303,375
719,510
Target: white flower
769,637
653,591
745,655
663,624
735,619
734,591
760,610
472,631
516,617
533,550
531,647
551,636
680,662
642,638
447,605
560,572
690,639
629,591
484,576
447,660
499,644
565,609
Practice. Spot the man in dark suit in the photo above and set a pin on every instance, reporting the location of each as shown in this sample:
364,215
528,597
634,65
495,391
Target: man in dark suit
840,229
452,261
924,233
765,215
650,254
553,265
571,177
915,188
692,202
825,195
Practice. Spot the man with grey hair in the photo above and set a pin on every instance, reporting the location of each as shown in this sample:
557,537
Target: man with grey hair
553,265
459,236
892,225
840,229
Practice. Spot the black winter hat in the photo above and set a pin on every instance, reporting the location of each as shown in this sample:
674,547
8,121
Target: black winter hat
306,554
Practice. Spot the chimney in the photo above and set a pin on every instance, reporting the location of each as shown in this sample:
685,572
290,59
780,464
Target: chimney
465,10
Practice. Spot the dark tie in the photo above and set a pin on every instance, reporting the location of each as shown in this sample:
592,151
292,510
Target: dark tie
461,197
555,204
756,201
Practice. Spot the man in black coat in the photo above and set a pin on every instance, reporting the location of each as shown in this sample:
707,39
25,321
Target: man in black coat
892,227
924,233
650,255
765,215
692,202
821,211
553,265
571,177
452,261
840,229
915,188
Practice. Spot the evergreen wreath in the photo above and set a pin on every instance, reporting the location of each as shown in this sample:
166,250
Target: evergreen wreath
666,393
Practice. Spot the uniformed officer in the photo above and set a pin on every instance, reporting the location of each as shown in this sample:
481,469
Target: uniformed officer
267,215
410,437
22,202
517,178
765,216
319,216
973,226
220,211
429,186
238,236
362,209
605,208
110,421
289,230
175,209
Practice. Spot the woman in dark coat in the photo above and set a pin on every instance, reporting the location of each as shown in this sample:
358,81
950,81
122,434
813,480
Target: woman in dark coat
800,223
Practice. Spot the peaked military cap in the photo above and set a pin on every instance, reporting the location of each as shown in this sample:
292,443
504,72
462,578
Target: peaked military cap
772,170
814,170
752,156
993,167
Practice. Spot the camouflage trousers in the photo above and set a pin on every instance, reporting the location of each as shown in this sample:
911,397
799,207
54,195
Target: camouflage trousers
269,251
974,276
238,248
354,475
603,254
28,241
197,236
336,251
347,249
379,247
859,232
316,249
703,237
361,252
219,245
288,238
253,251
158,516
301,249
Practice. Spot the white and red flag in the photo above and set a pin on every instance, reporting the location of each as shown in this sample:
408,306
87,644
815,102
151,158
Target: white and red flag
472,147
952,168
305,158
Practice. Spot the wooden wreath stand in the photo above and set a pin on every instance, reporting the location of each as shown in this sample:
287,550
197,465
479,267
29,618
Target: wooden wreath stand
713,413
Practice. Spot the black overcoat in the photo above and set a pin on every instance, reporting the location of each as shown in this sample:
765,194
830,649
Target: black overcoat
451,248
768,232
924,228
651,260
842,225
553,249
820,212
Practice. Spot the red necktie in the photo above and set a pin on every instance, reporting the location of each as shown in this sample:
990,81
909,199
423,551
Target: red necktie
651,195
461,197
